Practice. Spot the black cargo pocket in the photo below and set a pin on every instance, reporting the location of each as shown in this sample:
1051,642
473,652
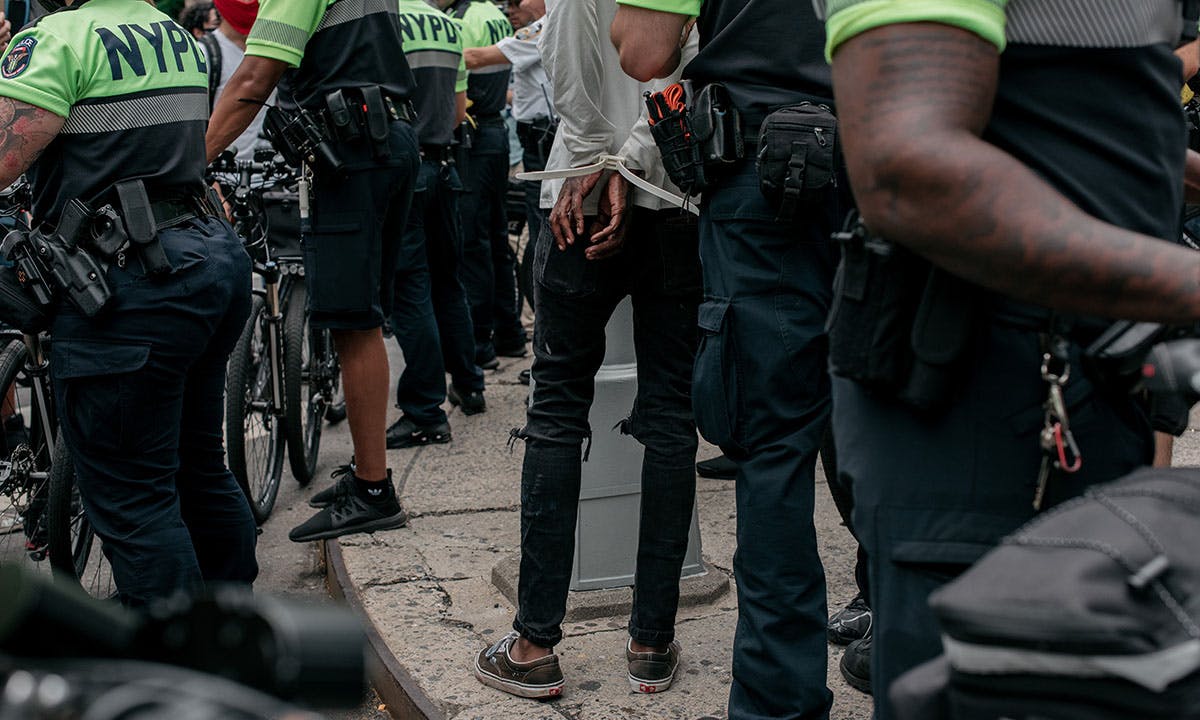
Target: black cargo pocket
338,261
938,560
678,240
98,384
716,380
566,273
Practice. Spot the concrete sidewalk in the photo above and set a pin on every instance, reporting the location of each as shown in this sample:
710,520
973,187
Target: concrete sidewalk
428,592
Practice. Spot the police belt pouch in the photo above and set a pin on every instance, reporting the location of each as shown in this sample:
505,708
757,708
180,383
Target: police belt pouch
899,326
698,133
797,156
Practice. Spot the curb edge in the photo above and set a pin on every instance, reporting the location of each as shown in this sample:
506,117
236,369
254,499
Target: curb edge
398,690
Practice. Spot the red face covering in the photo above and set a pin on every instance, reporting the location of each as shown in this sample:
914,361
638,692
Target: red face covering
239,14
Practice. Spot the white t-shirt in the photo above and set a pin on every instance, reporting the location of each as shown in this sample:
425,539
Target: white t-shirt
531,88
231,58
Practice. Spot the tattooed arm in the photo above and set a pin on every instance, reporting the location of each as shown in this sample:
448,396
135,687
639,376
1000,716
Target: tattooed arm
924,178
25,131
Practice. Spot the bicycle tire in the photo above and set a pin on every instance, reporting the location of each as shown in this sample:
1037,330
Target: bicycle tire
254,448
75,550
303,409
24,536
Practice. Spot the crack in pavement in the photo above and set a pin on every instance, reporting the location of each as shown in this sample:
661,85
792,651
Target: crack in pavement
466,511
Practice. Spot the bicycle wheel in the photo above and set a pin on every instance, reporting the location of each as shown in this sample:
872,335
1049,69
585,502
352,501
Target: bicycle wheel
254,443
75,550
303,402
24,464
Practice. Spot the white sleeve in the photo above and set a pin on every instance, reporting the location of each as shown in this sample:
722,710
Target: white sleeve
573,61
522,54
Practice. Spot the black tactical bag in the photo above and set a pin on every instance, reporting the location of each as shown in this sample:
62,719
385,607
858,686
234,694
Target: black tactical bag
1090,612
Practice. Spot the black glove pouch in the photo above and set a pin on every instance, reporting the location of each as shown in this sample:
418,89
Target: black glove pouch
797,157
899,326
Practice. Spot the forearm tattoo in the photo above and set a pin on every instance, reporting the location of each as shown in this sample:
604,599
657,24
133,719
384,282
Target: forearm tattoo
913,101
25,131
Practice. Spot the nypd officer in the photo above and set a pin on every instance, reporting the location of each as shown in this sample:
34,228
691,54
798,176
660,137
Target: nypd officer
343,62
761,388
489,264
431,318
105,102
999,153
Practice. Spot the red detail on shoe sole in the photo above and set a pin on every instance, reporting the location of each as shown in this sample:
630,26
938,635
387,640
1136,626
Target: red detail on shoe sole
555,691
648,688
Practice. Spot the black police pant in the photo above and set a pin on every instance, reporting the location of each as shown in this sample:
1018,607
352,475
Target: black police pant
659,268
932,494
761,393
489,269
430,317
140,390
535,147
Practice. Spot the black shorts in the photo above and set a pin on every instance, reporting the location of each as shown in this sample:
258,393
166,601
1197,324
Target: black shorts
350,256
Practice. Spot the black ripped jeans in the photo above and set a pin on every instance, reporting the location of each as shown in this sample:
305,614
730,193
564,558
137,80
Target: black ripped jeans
660,268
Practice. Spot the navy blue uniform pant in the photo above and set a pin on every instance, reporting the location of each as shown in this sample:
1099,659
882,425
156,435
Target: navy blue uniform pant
659,268
489,263
430,317
140,391
932,494
762,394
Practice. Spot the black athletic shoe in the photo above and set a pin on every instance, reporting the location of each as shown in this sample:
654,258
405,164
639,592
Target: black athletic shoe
343,476
856,664
851,623
524,376
487,362
719,468
350,513
404,433
472,403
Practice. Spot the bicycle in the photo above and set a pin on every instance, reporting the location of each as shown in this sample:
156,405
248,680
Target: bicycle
42,521
283,377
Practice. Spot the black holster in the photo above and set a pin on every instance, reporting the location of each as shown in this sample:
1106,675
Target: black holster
699,140
899,326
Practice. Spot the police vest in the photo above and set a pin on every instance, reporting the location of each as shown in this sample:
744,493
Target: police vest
433,44
332,45
483,26
133,88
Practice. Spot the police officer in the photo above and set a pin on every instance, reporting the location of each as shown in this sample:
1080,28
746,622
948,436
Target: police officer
1019,182
343,61
531,106
761,388
111,94
489,264
431,319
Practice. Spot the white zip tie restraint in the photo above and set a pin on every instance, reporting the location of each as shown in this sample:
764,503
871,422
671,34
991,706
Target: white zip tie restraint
617,163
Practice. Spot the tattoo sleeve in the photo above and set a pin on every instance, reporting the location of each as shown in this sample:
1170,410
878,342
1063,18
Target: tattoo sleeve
913,101
25,131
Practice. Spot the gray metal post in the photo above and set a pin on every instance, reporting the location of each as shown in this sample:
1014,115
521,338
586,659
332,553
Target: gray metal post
606,536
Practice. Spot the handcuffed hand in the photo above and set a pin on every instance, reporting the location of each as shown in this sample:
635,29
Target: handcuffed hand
566,218
608,229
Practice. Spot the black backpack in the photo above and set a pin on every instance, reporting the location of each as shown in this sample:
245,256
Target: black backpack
213,52
1089,612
